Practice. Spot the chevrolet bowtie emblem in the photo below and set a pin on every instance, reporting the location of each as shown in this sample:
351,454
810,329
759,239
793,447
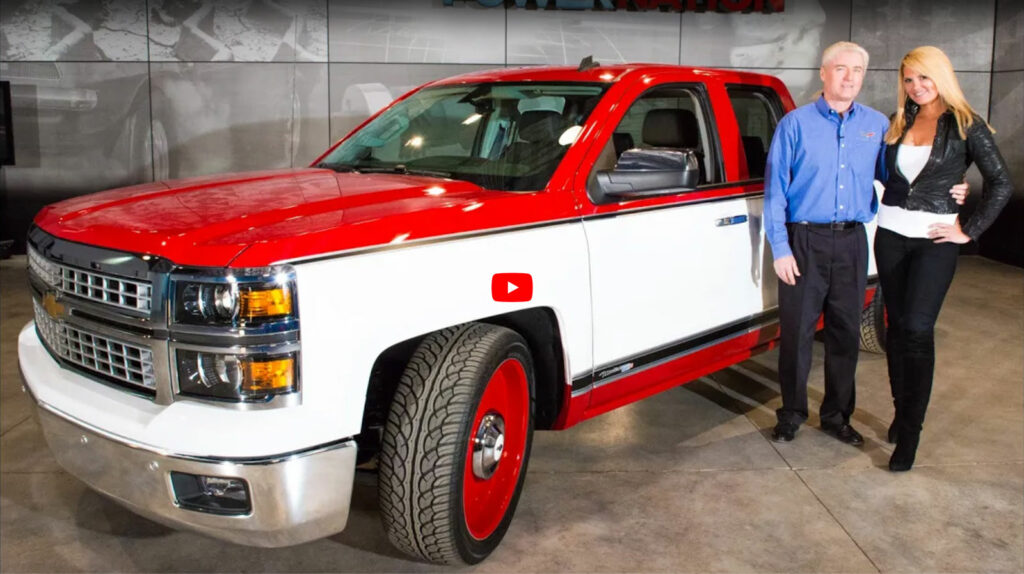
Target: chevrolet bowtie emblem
54,308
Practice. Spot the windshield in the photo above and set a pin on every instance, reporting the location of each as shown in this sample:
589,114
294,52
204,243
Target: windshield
499,136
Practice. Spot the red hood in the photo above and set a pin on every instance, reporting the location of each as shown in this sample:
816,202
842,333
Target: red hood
254,219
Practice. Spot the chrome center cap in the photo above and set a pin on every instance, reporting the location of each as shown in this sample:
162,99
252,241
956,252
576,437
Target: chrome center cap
488,445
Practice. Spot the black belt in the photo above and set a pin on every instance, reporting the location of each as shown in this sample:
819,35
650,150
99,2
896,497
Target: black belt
834,226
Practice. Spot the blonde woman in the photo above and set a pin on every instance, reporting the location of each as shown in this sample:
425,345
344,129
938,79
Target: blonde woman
933,138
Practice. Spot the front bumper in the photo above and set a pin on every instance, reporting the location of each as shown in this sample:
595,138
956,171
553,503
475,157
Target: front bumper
296,497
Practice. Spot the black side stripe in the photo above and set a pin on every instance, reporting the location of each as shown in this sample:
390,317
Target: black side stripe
646,359
617,369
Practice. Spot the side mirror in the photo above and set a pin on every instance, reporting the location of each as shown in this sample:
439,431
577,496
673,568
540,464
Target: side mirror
648,173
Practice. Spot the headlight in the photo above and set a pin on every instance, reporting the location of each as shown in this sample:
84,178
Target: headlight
240,298
47,271
236,377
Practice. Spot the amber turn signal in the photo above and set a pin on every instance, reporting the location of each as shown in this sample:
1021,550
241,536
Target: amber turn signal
265,303
276,375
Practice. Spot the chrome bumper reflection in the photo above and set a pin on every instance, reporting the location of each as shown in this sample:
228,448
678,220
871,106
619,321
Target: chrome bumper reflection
295,498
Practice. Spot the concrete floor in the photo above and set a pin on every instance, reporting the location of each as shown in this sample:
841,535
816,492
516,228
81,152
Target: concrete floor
683,481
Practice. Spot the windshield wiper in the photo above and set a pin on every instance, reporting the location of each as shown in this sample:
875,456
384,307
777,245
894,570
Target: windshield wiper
339,167
402,169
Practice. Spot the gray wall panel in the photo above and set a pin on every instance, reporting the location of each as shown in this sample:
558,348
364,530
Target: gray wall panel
416,32
238,30
564,37
360,90
804,84
221,117
1008,120
879,90
1004,240
1009,52
79,127
888,29
793,38
79,30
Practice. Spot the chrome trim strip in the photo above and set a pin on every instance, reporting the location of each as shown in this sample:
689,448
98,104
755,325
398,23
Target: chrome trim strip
430,240
747,195
639,362
133,444
584,384
688,351
522,227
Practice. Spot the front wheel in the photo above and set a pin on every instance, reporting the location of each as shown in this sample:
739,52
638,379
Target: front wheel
456,443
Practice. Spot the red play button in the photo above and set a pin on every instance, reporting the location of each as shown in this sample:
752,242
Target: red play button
512,287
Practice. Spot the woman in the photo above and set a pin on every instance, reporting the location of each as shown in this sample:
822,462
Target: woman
933,138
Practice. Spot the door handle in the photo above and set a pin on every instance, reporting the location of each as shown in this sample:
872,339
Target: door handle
731,220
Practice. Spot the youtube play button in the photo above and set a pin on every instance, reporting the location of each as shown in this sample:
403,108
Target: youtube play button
512,287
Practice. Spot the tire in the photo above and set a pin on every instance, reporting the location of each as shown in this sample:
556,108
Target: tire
873,325
443,498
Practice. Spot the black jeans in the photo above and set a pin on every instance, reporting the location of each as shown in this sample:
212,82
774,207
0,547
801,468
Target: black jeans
833,273
914,274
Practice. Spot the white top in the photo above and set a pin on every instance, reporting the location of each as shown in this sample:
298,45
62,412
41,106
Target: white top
910,160
910,223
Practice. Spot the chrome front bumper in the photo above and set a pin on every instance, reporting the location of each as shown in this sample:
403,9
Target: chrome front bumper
295,498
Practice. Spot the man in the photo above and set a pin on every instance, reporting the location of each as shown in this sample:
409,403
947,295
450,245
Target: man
819,193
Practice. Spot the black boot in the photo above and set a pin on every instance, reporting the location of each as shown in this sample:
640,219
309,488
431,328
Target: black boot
918,367
902,458
893,433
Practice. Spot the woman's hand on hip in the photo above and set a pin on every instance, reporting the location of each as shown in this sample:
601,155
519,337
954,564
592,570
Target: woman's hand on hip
947,233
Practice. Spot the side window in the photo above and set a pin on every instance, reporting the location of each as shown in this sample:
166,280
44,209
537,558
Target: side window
757,114
664,118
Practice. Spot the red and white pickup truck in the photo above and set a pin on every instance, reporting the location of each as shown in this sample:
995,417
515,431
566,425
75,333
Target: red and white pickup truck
493,253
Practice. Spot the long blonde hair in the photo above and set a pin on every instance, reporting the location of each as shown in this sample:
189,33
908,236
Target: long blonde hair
931,62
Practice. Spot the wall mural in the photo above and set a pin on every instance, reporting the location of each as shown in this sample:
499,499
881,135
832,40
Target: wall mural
114,92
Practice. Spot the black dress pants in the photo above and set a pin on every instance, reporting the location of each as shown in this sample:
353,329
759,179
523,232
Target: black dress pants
915,274
833,274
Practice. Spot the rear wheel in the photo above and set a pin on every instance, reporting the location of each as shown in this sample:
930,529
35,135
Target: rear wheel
873,325
456,443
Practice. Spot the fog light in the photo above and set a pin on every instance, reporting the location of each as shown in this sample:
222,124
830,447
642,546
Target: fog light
213,494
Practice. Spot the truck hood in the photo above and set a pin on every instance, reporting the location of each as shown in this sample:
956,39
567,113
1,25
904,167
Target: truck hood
255,219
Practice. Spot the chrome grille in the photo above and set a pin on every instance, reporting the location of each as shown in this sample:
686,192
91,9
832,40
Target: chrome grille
116,291
107,356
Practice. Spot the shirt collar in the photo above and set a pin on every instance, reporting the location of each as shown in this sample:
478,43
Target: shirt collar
825,110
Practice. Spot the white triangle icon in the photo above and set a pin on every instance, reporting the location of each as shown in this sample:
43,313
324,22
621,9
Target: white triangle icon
512,287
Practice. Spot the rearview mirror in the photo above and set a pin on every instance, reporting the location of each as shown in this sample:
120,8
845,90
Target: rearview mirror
648,173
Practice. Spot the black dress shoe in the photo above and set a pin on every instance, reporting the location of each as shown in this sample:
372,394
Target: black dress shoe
784,432
845,433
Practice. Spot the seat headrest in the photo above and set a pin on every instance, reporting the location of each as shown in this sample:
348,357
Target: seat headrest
540,126
671,128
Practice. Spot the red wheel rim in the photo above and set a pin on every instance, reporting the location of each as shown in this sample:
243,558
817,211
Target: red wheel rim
485,500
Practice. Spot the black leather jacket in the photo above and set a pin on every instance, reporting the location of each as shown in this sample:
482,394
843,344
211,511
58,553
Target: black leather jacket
950,157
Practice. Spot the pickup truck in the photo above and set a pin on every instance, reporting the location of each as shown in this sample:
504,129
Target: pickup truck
491,254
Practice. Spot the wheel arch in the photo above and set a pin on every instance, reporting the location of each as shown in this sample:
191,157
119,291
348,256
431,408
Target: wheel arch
540,328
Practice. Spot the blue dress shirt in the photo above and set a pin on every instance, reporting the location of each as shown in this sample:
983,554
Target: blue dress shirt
821,167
